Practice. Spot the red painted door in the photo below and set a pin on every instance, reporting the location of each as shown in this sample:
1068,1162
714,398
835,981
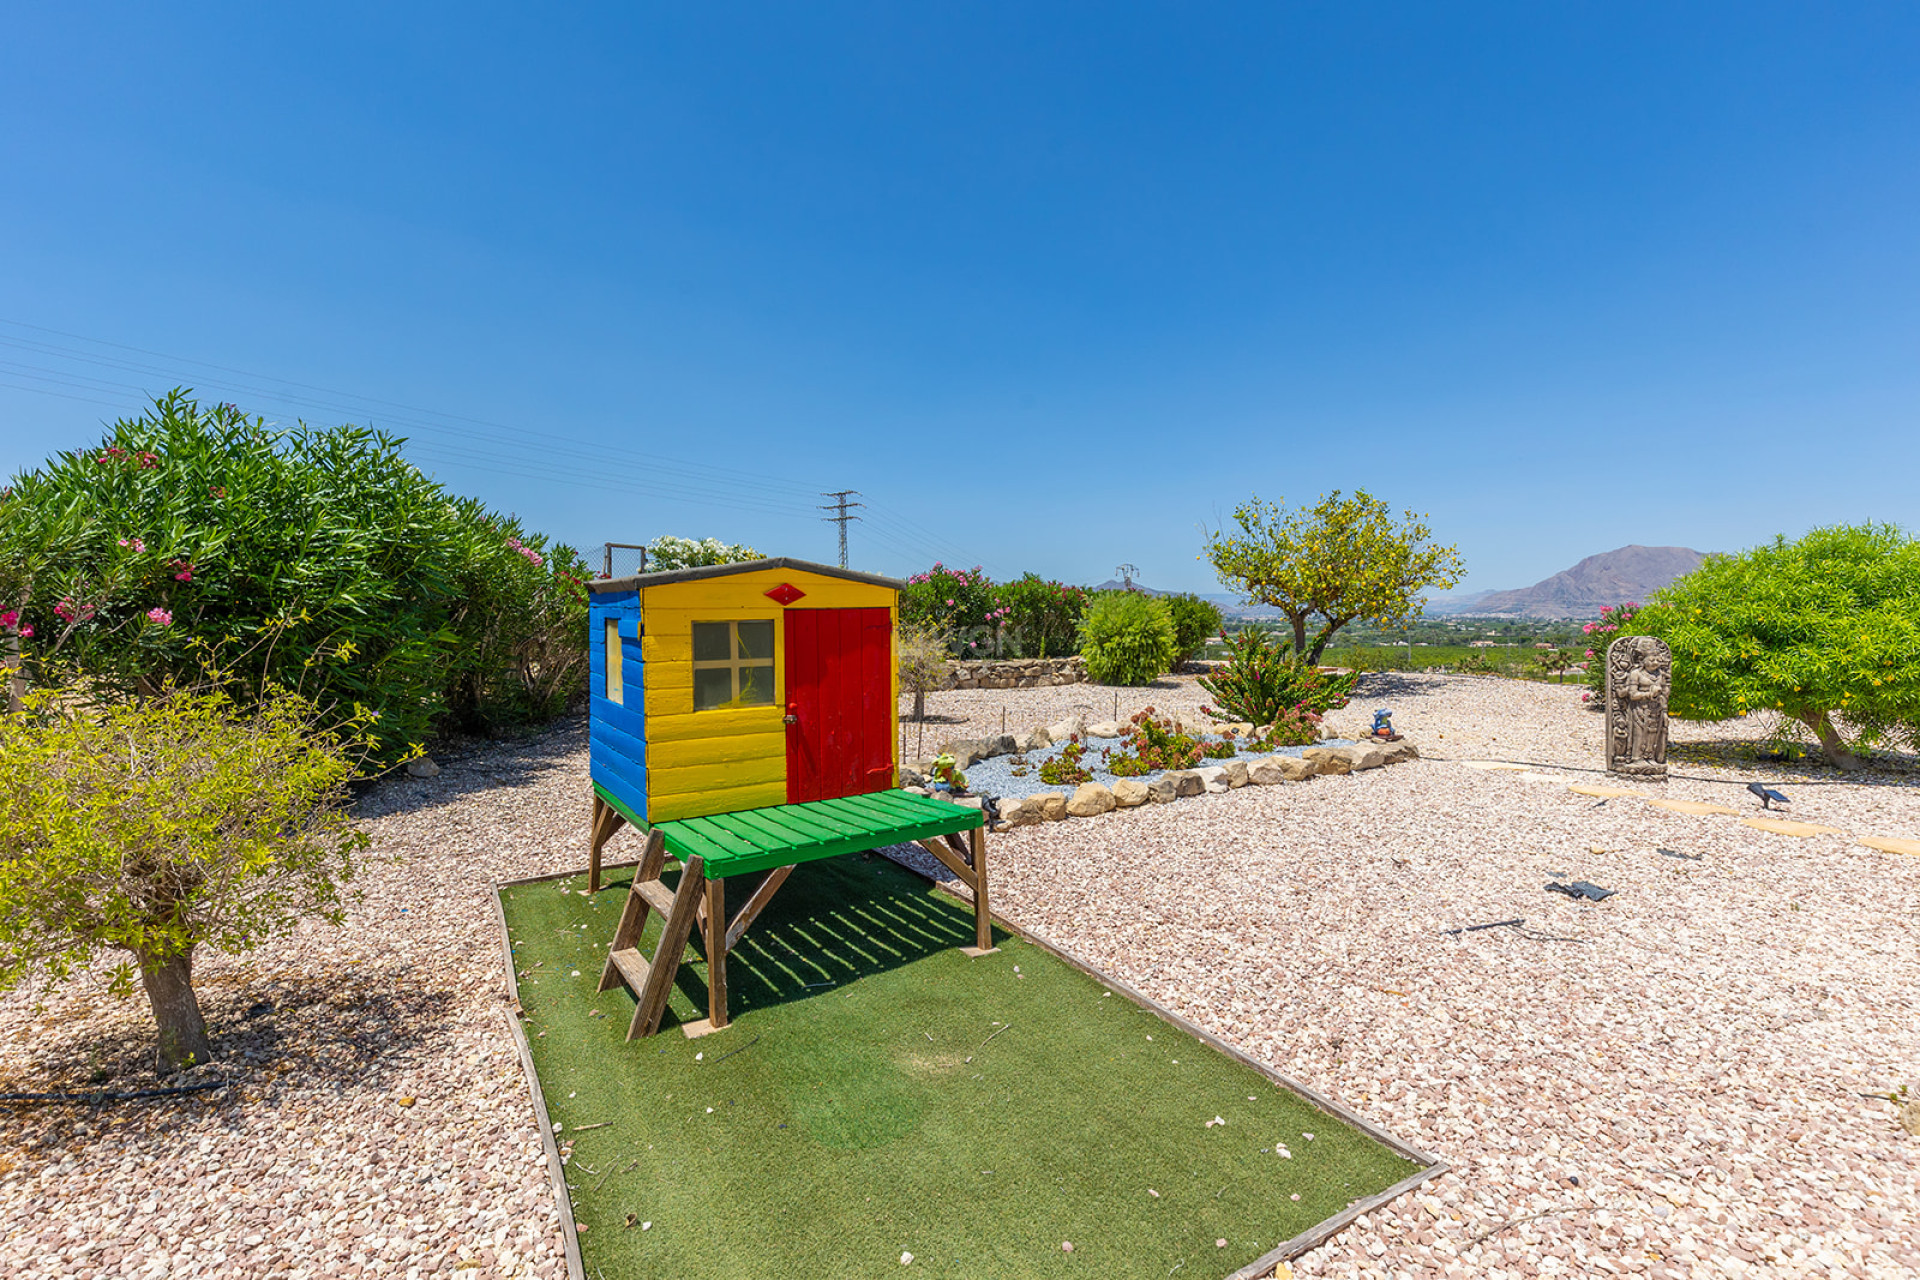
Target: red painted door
840,709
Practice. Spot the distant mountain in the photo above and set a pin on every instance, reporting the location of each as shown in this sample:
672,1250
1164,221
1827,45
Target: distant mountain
1439,606
1230,605
1610,578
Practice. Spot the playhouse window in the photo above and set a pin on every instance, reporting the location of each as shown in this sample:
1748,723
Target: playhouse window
616,690
732,664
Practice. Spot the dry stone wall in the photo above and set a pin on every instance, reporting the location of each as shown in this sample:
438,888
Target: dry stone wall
1015,673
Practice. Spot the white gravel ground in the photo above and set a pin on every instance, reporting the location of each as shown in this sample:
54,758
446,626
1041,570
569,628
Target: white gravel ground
1666,1083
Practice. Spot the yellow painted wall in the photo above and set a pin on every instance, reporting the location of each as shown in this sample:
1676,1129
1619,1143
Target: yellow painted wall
733,758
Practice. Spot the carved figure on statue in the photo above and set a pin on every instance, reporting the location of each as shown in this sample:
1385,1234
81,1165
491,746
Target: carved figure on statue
1639,682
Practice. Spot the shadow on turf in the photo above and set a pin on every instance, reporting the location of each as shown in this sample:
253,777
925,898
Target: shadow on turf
832,923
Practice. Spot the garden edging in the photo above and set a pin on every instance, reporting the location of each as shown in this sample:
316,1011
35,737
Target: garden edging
1092,799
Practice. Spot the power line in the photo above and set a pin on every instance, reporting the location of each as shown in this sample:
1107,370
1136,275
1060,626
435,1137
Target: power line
840,507
436,436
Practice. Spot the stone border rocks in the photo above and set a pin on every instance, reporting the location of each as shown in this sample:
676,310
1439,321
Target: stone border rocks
1091,799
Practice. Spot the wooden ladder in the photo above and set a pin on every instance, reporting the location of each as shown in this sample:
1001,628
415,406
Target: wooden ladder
651,980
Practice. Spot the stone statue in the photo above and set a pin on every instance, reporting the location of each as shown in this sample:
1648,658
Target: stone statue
1639,678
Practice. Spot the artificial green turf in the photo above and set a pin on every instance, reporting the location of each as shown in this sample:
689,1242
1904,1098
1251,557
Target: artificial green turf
861,1105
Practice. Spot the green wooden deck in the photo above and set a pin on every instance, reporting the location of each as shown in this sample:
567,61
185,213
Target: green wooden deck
761,839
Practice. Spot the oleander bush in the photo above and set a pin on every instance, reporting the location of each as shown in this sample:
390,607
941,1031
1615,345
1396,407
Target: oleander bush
318,560
1038,618
668,552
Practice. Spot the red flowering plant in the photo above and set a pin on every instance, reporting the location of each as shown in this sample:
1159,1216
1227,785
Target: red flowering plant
320,560
957,602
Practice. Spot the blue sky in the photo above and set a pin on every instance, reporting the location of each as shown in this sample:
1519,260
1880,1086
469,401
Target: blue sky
1054,286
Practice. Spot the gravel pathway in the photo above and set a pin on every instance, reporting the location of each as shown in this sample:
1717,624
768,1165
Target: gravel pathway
1665,1083
380,1124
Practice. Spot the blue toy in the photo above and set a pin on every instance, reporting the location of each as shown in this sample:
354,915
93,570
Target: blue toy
1383,727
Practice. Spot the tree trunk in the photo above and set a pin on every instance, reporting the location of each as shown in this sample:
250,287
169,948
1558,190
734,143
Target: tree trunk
1299,635
1830,744
919,704
183,1032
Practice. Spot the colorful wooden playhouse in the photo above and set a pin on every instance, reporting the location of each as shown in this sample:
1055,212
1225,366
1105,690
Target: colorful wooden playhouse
745,716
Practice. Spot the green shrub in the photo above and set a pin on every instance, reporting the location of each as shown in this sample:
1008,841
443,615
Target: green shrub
1127,638
1065,768
1822,632
1194,621
1262,682
154,826
958,602
1037,618
1293,727
317,560
1157,745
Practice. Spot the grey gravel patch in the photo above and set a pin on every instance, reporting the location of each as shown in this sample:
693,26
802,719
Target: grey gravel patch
996,777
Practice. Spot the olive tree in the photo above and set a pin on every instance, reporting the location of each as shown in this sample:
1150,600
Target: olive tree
1341,560
1823,631
921,653
151,828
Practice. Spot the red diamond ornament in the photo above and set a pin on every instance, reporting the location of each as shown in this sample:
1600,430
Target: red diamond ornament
785,593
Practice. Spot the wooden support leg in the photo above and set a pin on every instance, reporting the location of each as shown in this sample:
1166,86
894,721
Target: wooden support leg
715,931
606,820
967,859
982,916
756,903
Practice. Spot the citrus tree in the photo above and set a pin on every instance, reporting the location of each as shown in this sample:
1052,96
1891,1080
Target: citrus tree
155,827
1823,630
1339,561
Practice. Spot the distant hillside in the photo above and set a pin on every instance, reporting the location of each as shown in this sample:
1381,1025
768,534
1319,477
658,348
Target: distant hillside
1610,578
1230,605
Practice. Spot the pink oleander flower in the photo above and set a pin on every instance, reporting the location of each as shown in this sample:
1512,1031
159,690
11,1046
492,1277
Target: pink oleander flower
26,633
133,544
949,602
1586,697
8,618
63,611
148,461
159,617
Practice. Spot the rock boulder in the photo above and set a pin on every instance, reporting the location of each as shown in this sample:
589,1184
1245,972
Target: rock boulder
1090,800
1327,760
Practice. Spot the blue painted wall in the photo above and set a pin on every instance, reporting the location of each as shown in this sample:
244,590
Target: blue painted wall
617,735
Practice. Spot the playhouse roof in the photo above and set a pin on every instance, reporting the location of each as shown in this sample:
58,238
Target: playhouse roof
635,581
